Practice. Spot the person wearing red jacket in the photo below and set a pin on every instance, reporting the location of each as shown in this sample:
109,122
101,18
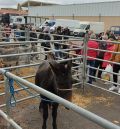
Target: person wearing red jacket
91,54
108,55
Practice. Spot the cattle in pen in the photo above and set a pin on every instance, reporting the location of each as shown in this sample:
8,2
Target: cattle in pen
13,59
57,79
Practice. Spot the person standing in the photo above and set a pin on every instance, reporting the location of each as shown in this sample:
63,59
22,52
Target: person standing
46,44
116,67
98,63
92,55
107,54
57,44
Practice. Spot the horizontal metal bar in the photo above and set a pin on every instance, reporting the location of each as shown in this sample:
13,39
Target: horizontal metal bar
26,77
36,64
28,31
21,37
115,42
91,116
11,45
76,38
77,84
12,31
21,89
33,53
103,80
16,90
103,70
21,100
39,41
102,88
103,50
104,60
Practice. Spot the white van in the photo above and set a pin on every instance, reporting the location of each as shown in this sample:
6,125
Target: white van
96,27
71,24
15,20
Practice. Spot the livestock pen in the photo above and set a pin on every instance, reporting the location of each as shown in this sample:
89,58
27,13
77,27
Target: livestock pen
79,80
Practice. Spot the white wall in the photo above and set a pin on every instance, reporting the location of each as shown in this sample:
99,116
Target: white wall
91,9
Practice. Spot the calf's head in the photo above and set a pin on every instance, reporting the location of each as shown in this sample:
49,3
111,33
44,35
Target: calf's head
63,78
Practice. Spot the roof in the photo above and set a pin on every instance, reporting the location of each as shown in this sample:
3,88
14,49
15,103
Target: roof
13,11
36,3
87,1
62,2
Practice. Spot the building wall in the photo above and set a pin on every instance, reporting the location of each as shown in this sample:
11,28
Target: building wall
108,20
107,12
89,9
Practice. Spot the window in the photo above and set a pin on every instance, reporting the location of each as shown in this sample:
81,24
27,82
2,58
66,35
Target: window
115,28
83,26
112,28
11,20
51,24
19,20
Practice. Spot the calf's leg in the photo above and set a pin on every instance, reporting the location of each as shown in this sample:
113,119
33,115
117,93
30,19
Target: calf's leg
45,114
54,115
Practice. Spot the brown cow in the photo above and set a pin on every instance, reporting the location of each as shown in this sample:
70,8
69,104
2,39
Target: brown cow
56,78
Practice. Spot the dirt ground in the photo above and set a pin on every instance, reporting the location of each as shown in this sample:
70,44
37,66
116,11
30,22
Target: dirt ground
104,104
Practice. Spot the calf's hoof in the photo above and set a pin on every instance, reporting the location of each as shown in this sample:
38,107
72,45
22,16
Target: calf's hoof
54,126
44,127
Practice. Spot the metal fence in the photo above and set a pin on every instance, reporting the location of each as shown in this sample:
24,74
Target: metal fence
100,121
79,71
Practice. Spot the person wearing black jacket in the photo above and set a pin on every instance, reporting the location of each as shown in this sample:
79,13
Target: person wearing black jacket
46,44
66,33
22,28
57,44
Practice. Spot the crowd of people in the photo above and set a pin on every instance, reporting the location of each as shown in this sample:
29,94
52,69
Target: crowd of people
97,59
100,54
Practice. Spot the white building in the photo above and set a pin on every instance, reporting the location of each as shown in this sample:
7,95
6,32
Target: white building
108,12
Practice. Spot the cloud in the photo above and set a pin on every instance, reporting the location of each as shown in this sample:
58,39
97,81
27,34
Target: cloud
8,2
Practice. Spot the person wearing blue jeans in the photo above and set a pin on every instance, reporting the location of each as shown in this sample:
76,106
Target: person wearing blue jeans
91,63
91,55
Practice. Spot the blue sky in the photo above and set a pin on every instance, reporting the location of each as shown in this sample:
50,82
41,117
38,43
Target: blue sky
13,3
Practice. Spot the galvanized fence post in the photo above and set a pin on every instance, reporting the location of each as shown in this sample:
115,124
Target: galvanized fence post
7,99
27,34
85,41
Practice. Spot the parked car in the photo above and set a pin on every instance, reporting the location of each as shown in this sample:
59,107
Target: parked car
71,24
15,20
115,30
96,27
